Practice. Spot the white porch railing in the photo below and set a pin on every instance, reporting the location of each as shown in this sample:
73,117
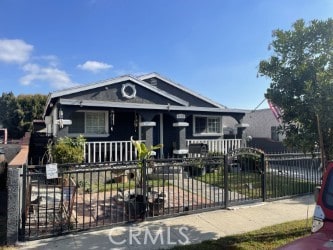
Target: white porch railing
109,151
219,145
115,151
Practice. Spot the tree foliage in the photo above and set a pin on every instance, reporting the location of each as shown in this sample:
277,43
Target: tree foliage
11,116
17,113
301,74
32,107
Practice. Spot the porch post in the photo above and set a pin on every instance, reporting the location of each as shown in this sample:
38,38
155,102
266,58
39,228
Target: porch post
240,131
147,132
181,148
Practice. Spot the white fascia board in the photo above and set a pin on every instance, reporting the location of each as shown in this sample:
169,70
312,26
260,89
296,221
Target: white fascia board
161,92
114,81
90,86
107,104
181,87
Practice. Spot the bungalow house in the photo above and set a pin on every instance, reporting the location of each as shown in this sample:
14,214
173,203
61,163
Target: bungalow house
150,108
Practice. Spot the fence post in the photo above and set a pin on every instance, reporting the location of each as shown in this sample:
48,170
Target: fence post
144,186
225,180
24,195
13,205
263,177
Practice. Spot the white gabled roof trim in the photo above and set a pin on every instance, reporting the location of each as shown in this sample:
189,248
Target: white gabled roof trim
107,104
81,88
181,87
114,81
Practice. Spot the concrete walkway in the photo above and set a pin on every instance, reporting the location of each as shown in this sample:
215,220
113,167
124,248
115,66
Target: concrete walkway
187,229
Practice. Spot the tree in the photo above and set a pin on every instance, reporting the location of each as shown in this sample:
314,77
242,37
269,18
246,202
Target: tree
18,113
301,74
32,107
11,115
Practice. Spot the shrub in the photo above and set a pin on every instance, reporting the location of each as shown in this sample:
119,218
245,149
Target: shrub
69,150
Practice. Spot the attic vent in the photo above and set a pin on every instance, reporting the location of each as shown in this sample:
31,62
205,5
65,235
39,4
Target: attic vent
153,82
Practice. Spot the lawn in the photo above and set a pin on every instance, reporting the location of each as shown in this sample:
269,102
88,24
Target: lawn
266,238
250,183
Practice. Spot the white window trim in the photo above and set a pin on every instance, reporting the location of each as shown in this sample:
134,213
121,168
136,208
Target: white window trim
107,128
207,134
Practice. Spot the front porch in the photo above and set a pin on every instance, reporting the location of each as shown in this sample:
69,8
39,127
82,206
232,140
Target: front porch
118,151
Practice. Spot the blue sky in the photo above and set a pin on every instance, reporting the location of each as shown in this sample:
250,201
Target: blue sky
212,47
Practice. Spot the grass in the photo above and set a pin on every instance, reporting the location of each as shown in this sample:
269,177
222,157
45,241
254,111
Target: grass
276,185
266,238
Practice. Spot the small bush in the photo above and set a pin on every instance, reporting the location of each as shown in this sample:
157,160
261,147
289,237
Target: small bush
69,150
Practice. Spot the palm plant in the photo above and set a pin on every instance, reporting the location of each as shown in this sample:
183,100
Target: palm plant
144,153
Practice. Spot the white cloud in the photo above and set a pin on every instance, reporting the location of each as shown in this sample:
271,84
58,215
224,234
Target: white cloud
58,79
14,51
50,59
94,66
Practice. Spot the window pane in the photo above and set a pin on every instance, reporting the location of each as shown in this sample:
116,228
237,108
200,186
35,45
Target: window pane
77,123
200,125
214,125
95,123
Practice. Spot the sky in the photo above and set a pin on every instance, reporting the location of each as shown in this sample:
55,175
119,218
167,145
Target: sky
212,47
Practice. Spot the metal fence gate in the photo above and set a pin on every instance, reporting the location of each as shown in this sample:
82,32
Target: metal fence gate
68,198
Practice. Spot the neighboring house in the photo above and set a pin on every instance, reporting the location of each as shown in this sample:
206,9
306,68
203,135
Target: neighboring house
150,108
262,124
262,131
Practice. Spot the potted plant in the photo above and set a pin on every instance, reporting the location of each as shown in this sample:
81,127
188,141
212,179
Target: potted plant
136,203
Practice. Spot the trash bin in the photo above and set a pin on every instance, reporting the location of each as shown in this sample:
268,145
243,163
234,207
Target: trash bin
198,148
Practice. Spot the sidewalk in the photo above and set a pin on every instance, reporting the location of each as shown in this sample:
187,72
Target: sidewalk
188,229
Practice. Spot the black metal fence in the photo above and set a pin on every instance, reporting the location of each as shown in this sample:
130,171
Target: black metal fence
291,174
89,196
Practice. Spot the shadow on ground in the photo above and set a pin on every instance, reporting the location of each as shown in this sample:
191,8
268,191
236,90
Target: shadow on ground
132,236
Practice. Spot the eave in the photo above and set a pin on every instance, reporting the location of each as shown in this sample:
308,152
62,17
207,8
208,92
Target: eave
176,85
59,94
137,106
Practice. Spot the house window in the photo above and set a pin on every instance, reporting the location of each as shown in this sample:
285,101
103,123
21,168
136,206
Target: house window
89,123
207,125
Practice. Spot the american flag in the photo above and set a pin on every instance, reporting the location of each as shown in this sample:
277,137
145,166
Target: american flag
275,110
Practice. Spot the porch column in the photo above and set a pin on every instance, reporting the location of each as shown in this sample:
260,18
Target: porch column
181,149
147,132
240,132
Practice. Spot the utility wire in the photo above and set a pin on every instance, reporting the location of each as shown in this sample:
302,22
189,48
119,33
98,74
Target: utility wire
258,105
